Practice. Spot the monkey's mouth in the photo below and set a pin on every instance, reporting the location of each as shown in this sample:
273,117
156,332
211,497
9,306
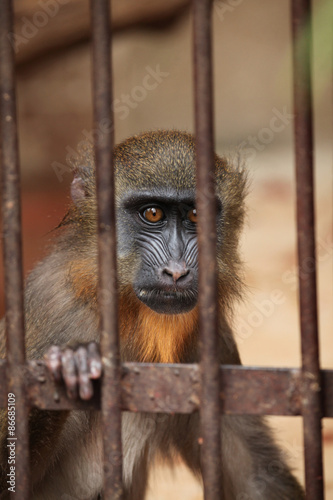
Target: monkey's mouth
168,301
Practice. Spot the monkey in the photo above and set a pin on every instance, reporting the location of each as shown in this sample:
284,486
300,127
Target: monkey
157,259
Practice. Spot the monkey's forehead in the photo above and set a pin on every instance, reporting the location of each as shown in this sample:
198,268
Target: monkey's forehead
161,195
156,159
155,175
155,141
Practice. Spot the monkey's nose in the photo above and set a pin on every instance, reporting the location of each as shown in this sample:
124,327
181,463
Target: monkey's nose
175,270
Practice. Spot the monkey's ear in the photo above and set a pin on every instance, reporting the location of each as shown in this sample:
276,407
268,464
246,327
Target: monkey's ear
81,184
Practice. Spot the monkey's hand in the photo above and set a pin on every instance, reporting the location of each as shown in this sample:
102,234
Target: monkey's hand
76,367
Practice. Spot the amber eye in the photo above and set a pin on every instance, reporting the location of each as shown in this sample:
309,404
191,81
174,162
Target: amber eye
153,214
192,215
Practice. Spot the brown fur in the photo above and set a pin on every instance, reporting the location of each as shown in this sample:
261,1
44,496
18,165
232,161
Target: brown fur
83,280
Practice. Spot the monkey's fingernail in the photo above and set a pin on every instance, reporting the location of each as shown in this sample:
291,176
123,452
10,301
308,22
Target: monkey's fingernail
56,374
95,369
54,368
72,393
53,362
85,386
85,392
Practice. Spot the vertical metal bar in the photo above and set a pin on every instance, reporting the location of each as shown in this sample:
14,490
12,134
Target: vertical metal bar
12,249
102,86
312,401
208,297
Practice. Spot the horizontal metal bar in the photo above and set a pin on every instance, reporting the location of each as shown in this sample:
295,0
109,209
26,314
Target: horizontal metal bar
176,389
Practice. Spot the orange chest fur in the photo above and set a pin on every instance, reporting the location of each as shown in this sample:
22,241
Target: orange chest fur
153,337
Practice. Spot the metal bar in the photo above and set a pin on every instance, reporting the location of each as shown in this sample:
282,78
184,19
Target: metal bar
12,252
111,390
312,397
210,407
176,389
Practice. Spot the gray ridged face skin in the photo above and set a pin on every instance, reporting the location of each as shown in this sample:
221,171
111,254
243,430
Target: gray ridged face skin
165,229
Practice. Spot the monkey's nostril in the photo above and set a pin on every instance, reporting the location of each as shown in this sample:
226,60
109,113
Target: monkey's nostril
178,275
176,271
167,272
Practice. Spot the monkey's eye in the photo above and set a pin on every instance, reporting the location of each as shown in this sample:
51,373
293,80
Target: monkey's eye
192,215
153,214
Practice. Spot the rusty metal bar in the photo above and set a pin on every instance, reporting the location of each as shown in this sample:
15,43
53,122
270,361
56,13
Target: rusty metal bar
12,251
111,389
208,298
312,397
176,389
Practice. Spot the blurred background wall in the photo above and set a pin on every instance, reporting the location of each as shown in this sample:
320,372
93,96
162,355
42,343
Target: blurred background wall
153,89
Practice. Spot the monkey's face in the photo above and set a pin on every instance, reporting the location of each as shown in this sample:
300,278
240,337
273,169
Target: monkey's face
164,225
156,219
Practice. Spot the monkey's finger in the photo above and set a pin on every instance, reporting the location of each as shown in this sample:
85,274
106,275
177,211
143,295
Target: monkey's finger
85,385
69,373
94,360
53,362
